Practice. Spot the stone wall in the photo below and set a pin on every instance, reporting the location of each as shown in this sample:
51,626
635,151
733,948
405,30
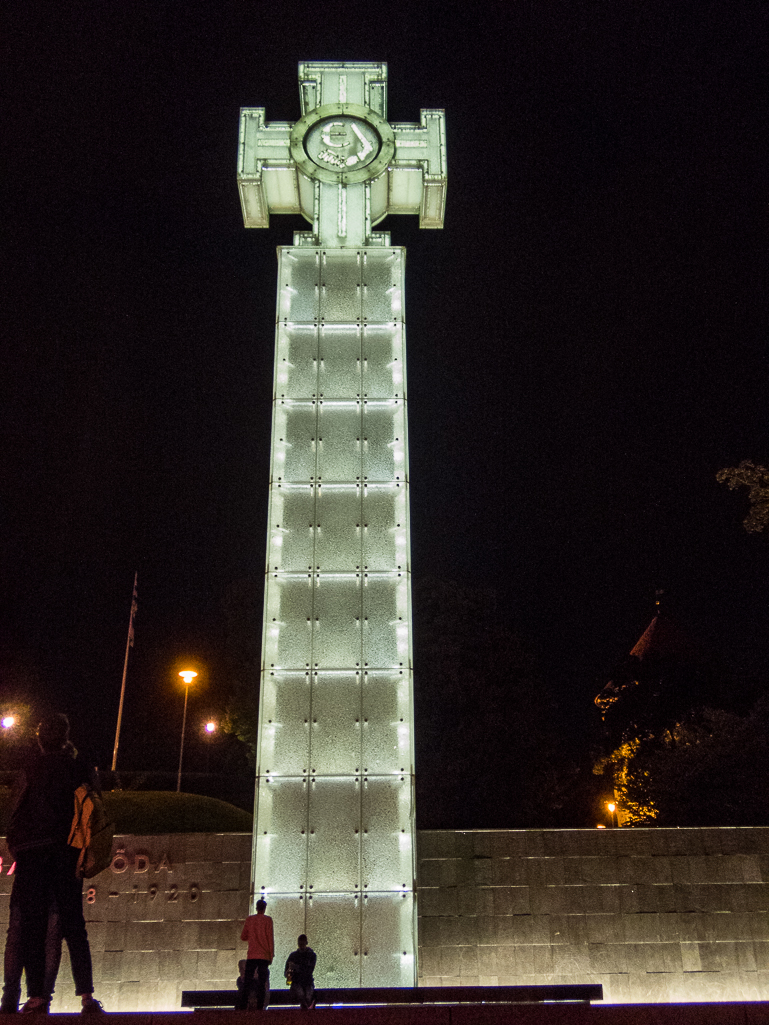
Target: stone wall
653,914
165,917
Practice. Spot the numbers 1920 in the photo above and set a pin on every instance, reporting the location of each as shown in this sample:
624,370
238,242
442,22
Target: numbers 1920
153,892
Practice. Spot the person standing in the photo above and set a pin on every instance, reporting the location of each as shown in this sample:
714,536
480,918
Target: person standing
258,931
299,968
46,865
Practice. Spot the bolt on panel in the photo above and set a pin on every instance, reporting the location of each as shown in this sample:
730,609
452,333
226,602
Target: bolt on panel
388,915
285,714
280,835
383,369
336,724
334,923
334,841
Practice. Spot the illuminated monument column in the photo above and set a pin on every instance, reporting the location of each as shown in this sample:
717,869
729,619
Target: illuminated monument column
334,832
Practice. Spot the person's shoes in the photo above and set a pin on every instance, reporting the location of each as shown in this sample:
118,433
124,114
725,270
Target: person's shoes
92,1007
36,1005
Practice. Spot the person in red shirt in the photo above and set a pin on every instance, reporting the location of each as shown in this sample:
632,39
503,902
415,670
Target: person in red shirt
258,932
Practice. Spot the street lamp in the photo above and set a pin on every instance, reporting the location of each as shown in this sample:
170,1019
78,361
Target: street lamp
8,721
209,731
612,807
188,675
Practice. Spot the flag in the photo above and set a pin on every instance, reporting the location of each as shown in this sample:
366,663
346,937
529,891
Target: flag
134,607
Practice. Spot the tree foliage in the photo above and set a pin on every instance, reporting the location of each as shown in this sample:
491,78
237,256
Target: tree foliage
711,769
489,742
756,479
243,612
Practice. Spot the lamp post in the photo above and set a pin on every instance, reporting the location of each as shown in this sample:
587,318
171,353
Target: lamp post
188,675
612,807
209,729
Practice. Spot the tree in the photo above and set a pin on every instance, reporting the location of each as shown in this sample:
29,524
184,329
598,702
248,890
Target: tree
756,479
491,745
711,769
243,612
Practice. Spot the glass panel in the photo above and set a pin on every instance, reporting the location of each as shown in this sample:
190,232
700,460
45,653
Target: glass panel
387,850
382,285
296,371
384,440
340,286
386,723
292,513
298,272
333,927
338,531
334,841
294,441
287,628
336,723
340,362
383,364
287,912
389,919
339,448
280,835
284,740
337,623
385,623
385,533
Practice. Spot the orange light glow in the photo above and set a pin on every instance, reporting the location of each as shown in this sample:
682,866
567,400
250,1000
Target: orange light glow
188,675
8,721
611,806
210,727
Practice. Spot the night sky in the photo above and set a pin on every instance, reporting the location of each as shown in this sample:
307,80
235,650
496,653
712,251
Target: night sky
586,337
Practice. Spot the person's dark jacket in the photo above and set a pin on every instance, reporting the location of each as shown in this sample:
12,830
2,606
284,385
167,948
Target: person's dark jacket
44,808
303,966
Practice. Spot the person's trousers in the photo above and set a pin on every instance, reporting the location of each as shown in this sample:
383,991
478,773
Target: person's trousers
13,966
46,876
304,993
260,967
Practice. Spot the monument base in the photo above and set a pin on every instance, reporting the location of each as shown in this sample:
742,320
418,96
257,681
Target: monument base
657,916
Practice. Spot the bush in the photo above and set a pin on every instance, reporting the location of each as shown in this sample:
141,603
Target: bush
144,812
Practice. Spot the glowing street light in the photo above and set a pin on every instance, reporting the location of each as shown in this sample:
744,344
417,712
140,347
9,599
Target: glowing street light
8,721
188,675
612,808
209,732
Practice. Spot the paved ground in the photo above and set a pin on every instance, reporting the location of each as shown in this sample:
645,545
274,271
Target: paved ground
520,1014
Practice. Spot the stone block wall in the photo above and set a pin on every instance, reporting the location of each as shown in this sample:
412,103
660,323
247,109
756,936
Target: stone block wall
653,914
166,916
656,915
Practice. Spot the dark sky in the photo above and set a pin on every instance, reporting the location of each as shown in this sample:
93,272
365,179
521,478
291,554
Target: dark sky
587,336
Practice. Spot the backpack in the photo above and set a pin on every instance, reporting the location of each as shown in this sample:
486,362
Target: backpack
91,832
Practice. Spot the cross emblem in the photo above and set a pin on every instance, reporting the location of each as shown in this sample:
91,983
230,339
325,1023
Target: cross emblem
342,165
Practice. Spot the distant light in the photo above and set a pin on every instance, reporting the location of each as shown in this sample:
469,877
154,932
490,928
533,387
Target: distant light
210,727
8,721
600,825
188,675
611,806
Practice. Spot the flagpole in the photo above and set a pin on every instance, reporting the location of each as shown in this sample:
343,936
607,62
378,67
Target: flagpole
128,645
